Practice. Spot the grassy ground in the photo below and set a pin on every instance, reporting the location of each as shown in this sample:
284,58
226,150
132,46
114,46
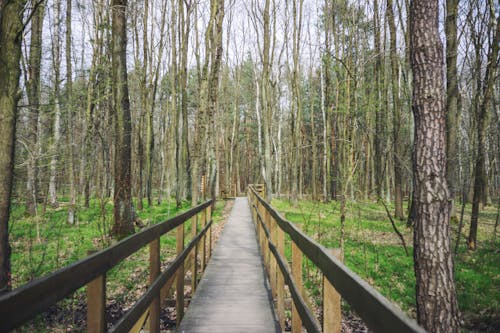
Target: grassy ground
42,245
373,251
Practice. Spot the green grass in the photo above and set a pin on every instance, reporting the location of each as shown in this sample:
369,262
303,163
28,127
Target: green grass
374,252
41,245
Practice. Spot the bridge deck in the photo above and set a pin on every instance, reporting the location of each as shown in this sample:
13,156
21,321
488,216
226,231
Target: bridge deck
232,295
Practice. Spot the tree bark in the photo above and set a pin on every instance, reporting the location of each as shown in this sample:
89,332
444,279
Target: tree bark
56,56
70,115
481,119
33,92
397,151
123,225
452,98
437,309
11,28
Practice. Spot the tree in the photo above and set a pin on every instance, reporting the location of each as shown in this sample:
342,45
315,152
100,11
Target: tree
123,225
451,97
437,309
396,120
56,57
11,28
486,89
33,92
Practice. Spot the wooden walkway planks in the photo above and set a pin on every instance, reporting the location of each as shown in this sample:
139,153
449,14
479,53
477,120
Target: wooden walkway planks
232,295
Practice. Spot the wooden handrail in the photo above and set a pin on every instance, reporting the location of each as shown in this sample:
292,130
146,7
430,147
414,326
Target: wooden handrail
379,314
23,303
128,320
310,322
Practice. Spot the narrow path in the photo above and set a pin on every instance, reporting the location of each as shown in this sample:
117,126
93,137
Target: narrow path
232,295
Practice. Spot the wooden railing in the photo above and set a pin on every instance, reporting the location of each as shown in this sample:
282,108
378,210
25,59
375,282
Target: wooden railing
377,312
22,304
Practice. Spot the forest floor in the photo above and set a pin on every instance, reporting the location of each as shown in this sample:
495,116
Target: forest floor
44,244
374,251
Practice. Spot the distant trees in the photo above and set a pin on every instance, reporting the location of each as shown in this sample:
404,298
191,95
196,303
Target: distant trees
221,94
437,308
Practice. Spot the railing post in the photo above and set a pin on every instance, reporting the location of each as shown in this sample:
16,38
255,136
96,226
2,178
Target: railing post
297,277
96,305
194,273
209,218
273,268
204,240
332,316
265,248
179,299
280,283
154,272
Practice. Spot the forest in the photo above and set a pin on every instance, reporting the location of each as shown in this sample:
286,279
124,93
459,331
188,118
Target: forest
355,115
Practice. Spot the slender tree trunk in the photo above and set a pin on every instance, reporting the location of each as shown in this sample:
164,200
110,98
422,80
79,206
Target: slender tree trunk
123,225
56,56
11,28
451,99
481,119
437,309
70,115
379,116
396,142
266,98
33,90
185,26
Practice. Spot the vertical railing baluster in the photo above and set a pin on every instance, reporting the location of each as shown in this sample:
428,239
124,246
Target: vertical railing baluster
297,276
194,273
332,316
154,272
273,265
204,240
209,218
280,285
179,299
96,305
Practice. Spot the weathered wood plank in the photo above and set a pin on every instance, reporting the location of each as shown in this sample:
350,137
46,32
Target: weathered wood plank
232,295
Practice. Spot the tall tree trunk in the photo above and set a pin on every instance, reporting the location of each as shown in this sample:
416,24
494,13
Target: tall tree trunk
437,309
451,99
379,116
123,225
70,115
185,26
396,142
216,58
56,56
11,29
481,119
33,92
296,114
266,100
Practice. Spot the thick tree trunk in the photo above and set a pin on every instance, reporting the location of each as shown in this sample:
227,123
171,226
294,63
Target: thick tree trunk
11,28
437,309
123,225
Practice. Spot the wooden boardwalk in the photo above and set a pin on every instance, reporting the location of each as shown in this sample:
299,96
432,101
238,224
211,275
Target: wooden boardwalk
233,295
